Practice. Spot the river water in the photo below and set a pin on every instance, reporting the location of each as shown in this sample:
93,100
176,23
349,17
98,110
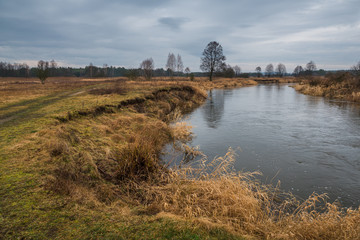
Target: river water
309,144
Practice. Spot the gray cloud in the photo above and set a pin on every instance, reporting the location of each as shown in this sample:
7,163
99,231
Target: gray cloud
173,23
252,32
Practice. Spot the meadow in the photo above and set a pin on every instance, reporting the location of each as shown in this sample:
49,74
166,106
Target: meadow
80,160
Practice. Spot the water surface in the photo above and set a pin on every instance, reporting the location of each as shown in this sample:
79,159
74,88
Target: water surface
309,144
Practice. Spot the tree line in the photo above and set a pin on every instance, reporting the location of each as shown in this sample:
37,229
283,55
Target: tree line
212,64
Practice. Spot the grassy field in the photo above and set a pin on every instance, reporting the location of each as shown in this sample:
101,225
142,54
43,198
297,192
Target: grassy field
80,160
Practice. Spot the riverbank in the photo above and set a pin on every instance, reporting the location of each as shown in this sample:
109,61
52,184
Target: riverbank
85,164
338,85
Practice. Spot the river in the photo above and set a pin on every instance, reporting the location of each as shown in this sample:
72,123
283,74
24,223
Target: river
309,144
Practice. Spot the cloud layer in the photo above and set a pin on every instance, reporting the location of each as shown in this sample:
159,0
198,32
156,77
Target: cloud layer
123,33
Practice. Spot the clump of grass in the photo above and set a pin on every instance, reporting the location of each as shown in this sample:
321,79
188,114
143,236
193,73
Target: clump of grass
217,195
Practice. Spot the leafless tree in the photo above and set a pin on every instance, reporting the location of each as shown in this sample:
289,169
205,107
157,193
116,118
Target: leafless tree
187,71
171,63
53,66
237,70
298,69
269,70
281,70
147,66
213,58
356,69
310,68
43,71
258,71
179,64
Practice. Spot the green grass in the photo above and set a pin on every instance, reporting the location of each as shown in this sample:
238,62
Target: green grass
29,211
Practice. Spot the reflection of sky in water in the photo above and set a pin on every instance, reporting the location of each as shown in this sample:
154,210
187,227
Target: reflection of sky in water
308,143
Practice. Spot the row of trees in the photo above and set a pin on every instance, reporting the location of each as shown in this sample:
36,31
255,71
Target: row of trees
280,70
213,60
212,63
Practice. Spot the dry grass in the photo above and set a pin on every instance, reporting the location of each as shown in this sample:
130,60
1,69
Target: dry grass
115,148
98,161
14,90
214,195
18,89
123,150
341,85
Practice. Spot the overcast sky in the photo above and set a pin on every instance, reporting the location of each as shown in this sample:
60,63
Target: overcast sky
123,33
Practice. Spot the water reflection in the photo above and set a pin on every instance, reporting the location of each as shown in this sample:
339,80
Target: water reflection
309,143
213,109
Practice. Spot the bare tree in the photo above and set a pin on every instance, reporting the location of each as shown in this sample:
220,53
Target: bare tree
310,68
269,70
147,66
179,64
356,69
237,70
227,71
53,66
281,70
187,71
258,71
213,58
171,63
43,71
298,70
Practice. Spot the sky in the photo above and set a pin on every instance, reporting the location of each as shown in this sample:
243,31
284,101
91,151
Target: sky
123,33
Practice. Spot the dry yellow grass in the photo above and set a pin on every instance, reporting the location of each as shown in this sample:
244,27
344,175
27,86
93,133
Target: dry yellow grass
216,196
110,161
341,85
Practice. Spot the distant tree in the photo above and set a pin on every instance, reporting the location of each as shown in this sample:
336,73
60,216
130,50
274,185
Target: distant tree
310,68
147,66
91,69
227,71
171,64
237,70
269,70
179,64
132,73
43,71
105,69
53,66
280,70
213,58
187,71
258,71
27,70
298,70
356,69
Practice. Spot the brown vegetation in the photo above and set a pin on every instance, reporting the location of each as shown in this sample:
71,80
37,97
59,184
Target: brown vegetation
341,85
107,155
